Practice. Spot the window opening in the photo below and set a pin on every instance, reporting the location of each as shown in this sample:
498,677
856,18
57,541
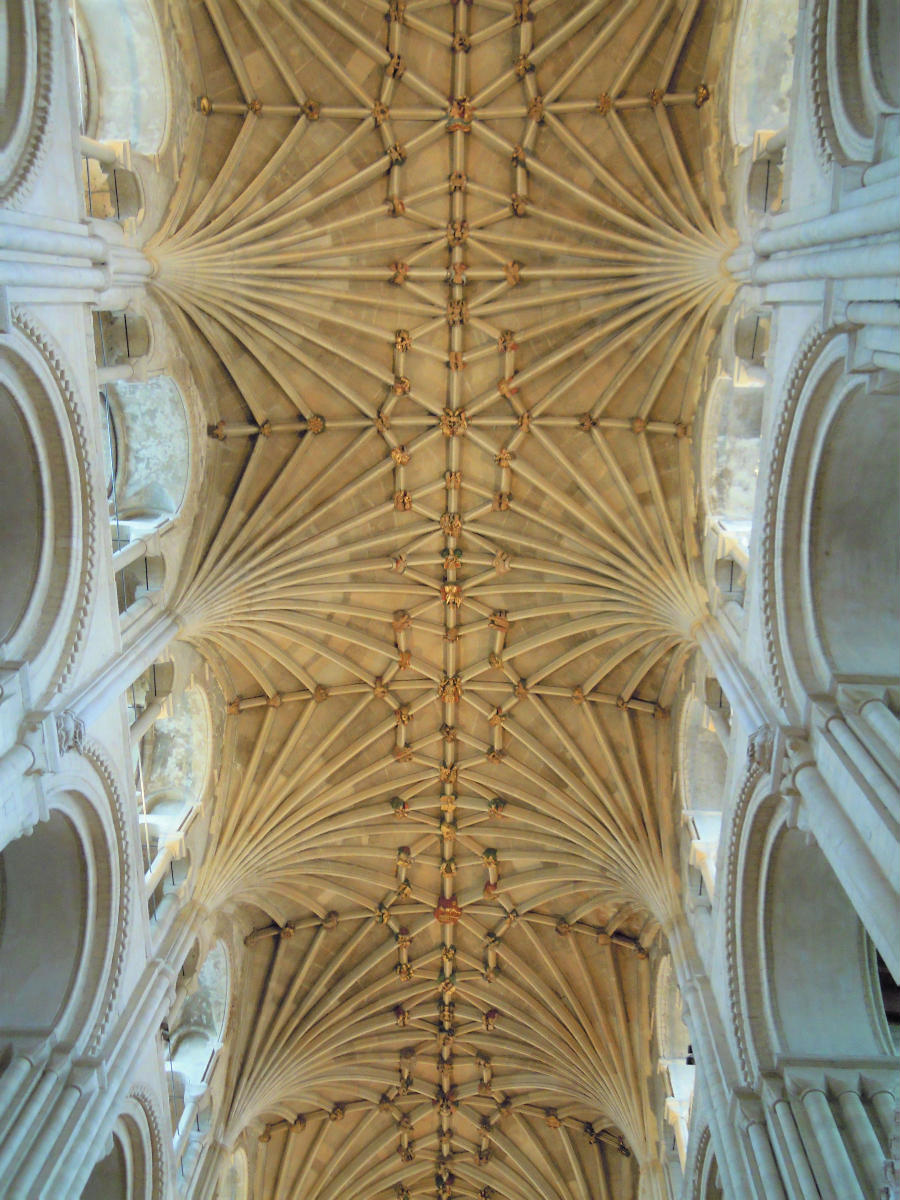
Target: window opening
134,711
111,450
118,540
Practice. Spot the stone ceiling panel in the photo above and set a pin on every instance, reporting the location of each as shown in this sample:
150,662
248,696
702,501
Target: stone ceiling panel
459,263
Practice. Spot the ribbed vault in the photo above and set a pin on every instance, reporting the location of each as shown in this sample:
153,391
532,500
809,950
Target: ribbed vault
426,1078
452,268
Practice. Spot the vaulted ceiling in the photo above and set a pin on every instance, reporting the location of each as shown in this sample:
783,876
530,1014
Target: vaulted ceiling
452,268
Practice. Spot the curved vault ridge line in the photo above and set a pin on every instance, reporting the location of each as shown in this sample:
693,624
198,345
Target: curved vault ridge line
240,274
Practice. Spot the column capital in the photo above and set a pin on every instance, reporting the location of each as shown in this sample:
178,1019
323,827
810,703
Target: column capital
750,1109
799,1083
174,844
85,1076
195,1093
772,1091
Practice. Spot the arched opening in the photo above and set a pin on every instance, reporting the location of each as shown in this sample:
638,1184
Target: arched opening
704,767
127,82
730,456
129,195
154,684
855,539
174,761
235,1181
16,31
890,1000
163,813
203,1013
883,28
153,448
858,61
144,702
21,502
44,906
710,1187
813,937
837,558
844,50
809,991
180,752
717,706
43,544
25,66
110,439
109,1178
126,1170
675,1058
762,67
192,1039
190,964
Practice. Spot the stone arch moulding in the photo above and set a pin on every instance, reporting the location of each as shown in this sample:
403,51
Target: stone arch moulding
835,602
51,438
790,693
69,867
118,822
753,793
704,1185
23,125
141,1109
